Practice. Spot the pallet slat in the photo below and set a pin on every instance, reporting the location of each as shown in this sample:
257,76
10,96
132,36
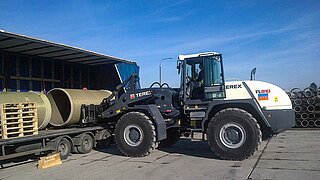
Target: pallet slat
18,120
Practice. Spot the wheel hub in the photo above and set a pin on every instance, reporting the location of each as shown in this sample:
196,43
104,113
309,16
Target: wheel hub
62,148
86,143
232,135
133,135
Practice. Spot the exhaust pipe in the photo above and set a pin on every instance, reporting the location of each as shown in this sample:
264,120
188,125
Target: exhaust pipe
66,104
304,123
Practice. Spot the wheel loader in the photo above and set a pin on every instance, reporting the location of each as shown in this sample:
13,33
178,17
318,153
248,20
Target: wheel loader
232,116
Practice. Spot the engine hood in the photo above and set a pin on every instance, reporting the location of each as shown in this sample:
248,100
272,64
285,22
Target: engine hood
268,96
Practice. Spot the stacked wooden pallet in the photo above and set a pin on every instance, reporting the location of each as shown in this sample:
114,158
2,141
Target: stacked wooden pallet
18,120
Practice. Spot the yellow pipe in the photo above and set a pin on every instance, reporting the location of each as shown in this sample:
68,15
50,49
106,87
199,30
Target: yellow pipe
66,104
41,100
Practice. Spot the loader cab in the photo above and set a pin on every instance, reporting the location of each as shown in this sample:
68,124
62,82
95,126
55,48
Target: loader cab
202,77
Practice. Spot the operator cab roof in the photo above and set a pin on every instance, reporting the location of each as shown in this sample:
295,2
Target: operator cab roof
183,57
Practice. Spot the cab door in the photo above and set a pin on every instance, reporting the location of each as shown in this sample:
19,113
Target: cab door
214,85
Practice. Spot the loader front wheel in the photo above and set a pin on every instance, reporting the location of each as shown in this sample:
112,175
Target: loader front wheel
135,134
234,134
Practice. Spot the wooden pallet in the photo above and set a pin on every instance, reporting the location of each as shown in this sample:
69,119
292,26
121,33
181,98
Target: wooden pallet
18,120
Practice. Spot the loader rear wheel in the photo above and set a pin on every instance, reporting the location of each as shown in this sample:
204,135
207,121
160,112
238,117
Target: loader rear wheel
135,134
234,134
173,136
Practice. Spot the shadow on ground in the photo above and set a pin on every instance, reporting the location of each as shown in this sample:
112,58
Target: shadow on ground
183,146
18,161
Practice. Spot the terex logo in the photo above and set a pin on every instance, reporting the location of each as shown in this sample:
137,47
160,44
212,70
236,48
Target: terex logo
140,94
265,91
235,86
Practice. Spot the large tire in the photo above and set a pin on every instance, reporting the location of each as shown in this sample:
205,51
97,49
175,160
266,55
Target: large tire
173,136
135,134
86,144
233,134
63,146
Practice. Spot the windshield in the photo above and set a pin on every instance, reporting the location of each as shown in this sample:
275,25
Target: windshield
213,74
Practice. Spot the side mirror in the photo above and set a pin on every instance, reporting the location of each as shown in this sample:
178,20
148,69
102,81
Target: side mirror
179,66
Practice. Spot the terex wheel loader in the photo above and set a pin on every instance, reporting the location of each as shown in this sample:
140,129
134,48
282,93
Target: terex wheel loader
233,116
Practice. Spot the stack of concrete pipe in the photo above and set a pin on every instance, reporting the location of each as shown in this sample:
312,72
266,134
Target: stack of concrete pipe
306,104
60,107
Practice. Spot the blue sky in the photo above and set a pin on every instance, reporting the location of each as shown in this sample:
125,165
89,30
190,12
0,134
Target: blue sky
280,38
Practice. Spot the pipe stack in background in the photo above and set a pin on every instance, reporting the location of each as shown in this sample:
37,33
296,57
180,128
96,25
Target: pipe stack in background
306,104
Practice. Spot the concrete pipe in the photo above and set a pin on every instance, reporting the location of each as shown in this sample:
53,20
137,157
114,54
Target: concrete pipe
309,92
311,115
297,102
304,123
66,104
304,108
311,123
297,109
304,116
295,93
41,100
311,101
298,124
317,115
298,116
289,94
317,123
310,108
304,101
317,108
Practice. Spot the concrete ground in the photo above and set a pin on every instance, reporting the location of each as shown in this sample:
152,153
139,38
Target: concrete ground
294,154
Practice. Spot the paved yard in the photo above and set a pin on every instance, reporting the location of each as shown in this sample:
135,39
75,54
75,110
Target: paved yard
294,154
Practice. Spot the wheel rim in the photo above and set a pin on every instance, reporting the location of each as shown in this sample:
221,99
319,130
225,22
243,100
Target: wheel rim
133,135
62,148
86,143
232,135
